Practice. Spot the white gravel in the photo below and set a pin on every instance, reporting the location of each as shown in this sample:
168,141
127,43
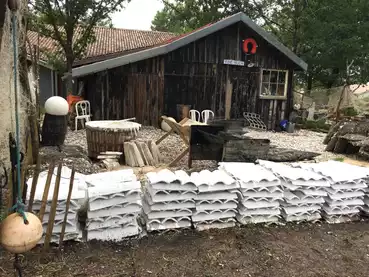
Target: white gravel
173,145
303,140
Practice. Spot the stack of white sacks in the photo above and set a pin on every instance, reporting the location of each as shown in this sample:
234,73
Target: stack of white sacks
260,192
168,200
345,197
114,205
303,191
77,204
216,200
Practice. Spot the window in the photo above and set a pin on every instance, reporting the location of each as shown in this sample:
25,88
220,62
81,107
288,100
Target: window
273,83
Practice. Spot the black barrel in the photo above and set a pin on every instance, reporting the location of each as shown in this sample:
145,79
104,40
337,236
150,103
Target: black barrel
54,129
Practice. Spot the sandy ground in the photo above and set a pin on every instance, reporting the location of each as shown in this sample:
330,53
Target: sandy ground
254,251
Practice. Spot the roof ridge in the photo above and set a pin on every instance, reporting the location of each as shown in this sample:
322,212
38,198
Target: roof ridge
128,29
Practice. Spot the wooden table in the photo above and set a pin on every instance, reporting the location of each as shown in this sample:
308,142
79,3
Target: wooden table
181,128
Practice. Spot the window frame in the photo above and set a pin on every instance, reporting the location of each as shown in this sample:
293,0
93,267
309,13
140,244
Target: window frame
284,97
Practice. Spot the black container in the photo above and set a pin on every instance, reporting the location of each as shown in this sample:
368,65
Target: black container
54,129
230,125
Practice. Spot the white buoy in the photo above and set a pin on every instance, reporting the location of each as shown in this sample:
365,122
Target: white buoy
165,127
56,105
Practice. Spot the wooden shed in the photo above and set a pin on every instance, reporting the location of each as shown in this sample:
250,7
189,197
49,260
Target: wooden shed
231,66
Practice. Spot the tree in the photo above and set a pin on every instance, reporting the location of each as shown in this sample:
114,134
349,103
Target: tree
71,23
338,41
182,16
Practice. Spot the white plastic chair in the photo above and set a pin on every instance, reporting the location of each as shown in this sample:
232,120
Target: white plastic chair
83,112
206,115
195,115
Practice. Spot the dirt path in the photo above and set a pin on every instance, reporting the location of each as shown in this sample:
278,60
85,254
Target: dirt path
303,251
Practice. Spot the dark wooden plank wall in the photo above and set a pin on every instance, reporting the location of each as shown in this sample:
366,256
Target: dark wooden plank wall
195,75
135,90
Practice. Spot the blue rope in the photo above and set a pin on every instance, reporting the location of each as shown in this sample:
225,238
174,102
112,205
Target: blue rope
18,206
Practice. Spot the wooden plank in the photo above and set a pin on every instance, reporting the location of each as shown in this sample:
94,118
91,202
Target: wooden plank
148,156
46,191
128,155
67,208
228,99
136,155
140,146
36,173
50,225
180,156
155,151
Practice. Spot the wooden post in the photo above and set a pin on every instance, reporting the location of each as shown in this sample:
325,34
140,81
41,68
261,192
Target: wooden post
50,225
67,208
34,185
46,191
228,98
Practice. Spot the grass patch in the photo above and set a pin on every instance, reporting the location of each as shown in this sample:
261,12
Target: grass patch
339,159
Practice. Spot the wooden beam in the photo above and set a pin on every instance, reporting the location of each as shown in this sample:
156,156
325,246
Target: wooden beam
67,208
228,97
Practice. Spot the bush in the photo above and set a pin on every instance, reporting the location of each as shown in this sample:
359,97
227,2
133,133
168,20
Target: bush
316,125
350,111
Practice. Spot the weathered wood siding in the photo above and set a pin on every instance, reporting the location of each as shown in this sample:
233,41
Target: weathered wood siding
193,75
196,75
134,90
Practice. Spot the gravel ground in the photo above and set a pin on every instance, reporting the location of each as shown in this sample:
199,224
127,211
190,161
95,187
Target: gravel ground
173,145
303,140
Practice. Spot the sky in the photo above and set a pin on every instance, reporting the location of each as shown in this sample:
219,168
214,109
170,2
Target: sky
138,14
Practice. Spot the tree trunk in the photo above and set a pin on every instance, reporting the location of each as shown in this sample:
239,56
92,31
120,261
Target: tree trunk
69,74
309,83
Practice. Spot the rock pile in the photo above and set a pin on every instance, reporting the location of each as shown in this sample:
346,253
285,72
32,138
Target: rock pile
216,200
303,192
114,205
168,200
259,195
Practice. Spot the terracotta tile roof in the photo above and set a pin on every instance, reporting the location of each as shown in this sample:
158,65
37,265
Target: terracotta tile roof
109,42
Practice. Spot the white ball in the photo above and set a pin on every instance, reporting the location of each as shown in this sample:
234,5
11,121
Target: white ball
165,127
56,105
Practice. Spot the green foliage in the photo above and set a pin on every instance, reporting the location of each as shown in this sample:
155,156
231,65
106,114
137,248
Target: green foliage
70,23
316,125
331,36
350,111
339,159
337,39
182,16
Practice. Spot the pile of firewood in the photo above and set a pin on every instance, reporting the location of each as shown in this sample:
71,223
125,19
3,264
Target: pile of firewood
139,153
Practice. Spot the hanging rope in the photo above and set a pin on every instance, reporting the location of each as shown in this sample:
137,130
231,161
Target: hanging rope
18,207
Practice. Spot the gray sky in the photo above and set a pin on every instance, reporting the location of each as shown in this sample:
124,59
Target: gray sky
138,14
